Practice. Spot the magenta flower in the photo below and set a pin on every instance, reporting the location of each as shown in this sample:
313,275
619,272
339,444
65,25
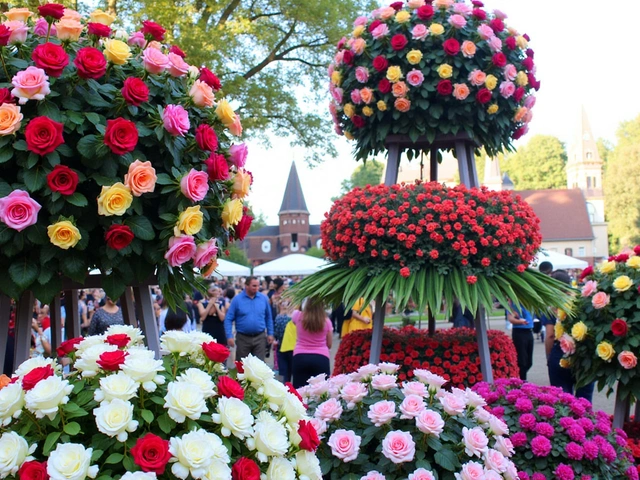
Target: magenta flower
540,446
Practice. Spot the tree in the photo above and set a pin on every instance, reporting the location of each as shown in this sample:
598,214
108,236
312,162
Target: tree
538,165
622,189
367,173
259,220
236,255
272,57
605,147
316,252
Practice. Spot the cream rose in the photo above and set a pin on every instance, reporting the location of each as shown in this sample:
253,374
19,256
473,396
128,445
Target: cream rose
195,376
275,392
87,363
135,334
194,453
115,419
117,386
218,471
202,94
71,461
293,409
14,451
139,476
256,371
270,437
235,417
308,465
145,370
280,469
11,403
184,399
175,341
47,396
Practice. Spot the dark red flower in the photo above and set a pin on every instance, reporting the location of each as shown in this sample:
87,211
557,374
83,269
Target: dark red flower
619,327
206,138
230,388
375,24
397,5
153,31
98,29
451,46
5,34
151,453
245,469
118,236
309,434
68,346
217,167
62,180
358,121
384,86
445,87
216,352
530,53
636,249
497,25
54,11
91,63
425,12
484,95
43,135
510,42
112,361
499,60
242,228
398,42
6,97
51,58
380,63
210,78
622,257
586,272
135,91
33,470
527,63
178,51
347,57
518,94
479,14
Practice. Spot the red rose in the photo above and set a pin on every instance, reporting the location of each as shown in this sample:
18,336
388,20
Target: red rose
587,271
310,440
405,272
217,167
90,63
206,138
397,5
245,469
527,63
239,366
444,87
479,14
111,361
471,279
210,78
33,471
518,94
535,84
98,29
347,57
618,328
373,25
5,96
43,135
526,37
120,340
68,346
118,236
228,387
451,46
425,12
398,42
477,3
242,228
483,95
499,60
151,453
51,58
215,351
384,86
636,250
380,63
153,31
32,378
519,133
497,25
358,121
177,50
53,10
511,43
62,180
621,258
135,91
294,391
5,33
121,136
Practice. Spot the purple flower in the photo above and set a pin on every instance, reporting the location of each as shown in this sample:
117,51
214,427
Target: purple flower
545,411
538,476
577,409
540,446
574,451
566,422
564,472
519,439
632,473
544,428
604,427
587,424
527,421
621,441
523,476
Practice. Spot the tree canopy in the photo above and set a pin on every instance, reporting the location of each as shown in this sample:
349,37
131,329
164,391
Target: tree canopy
539,164
367,173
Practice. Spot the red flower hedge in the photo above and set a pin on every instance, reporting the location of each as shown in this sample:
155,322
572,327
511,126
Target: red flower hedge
451,353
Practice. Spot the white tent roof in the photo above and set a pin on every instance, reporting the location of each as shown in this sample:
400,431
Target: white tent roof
294,264
229,269
559,260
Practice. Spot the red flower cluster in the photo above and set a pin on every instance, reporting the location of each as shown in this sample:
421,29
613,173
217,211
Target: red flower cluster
409,227
452,353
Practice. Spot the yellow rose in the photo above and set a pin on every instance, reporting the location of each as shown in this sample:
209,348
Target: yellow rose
436,29
491,82
445,71
622,283
634,262
64,234
241,184
522,42
382,105
98,16
605,351
403,16
367,111
521,79
562,314
18,14
579,331
190,221
394,74
114,200
225,112
492,109
608,267
565,363
336,78
348,135
349,110
116,51
414,57
359,30
231,213
558,330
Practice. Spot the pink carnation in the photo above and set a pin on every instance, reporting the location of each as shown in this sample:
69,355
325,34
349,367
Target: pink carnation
545,429
527,421
540,446
574,451
399,447
519,439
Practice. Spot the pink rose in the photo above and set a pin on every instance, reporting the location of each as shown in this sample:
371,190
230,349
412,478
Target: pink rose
137,40
353,393
497,426
380,31
430,422
388,367
414,388
472,471
421,474
412,406
504,446
485,31
345,445
362,74
434,381
30,84
181,249
355,97
457,21
329,410
507,88
18,29
477,77
319,425
195,185
366,371
384,382
600,300
399,447
493,475
382,412
567,344
236,127
530,102
205,252
495,460
177,66
154,61
499,14
362,20
510,72
42,26
202,94
238,154
495,44
373,475
176,120
415,78
419,32
386,13
453,404
18,210
627,359
462,8
337,94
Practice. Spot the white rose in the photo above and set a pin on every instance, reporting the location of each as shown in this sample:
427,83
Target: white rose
14,451
473,399
144,369
135,334
280,469
270,437
218,471
35,362
293,409
139,476
201,379
256,371
497,426
115,419
184,400
71,461
308,465
194,453
196,355
140,351
119,385
235,417
47,396
11,402
194,72
89,342
275,392
176,341
87,359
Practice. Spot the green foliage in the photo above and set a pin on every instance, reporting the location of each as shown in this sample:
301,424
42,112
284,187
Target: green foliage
538,165
316,252
259,220
236,255
605,148
368,173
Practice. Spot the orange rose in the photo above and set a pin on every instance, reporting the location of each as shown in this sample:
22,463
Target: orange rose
70,14
141,178
520,114
460,91
366,95
468,48
627,359
202,94
4,381
236,126
68,29
358,46
10,118
402,104
241,184
18,14
400,89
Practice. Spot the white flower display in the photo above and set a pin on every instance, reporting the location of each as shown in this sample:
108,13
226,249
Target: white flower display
308,466
11,403
176,341
218,470
256,371
235,417
194,453
115,419
35,362
89,342
184,399
293,409
46,397
280,469
135,334
87,359
118,385
202,379
71,461
14,451
144,369
139,476
270,437
275,392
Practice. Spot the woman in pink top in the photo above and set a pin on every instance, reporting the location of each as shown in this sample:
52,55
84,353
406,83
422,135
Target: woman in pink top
315,335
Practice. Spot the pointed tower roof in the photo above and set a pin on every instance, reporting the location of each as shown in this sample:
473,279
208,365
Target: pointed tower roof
583,147
293,200
507,183
492,175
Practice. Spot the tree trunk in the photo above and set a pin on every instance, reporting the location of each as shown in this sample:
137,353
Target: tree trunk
112,7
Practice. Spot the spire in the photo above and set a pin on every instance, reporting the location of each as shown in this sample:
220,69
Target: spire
492,175
507,183
293,200
583,147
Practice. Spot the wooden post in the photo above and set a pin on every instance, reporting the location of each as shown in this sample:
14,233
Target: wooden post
378,327
72,320
149,326
128,309
5,317
24,316
432,323
56,323
621,409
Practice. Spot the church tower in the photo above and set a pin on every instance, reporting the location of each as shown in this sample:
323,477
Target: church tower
295,234
494,179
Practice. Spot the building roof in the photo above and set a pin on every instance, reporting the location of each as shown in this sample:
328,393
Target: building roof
562,213
266,231
293,200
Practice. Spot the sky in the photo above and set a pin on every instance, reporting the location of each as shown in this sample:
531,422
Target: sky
585,53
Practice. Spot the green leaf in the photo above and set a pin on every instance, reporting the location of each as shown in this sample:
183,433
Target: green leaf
49,109
77,199
141,227
37,234
164,179
113,285
49,443
114,458
75,267
35,178
147,415
447,460
53,158
24,272
165,423
88,145
72,428
6,155
129,464
96,454
93,118
20,145
47,291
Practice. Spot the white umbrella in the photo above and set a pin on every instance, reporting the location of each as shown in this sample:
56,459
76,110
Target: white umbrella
558,260
294,264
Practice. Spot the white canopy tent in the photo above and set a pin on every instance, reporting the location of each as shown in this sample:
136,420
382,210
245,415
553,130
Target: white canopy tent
558,260
294,264
229,269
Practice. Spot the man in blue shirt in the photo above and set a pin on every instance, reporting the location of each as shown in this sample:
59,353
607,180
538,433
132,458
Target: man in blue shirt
522,335
251,312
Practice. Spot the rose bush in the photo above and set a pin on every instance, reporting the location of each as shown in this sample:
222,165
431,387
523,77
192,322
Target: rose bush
110,136
122,412
453,353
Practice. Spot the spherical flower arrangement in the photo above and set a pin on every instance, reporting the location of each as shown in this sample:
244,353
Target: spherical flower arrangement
122,412
423,68
115,154
600,341
452,354
374,427
556,435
